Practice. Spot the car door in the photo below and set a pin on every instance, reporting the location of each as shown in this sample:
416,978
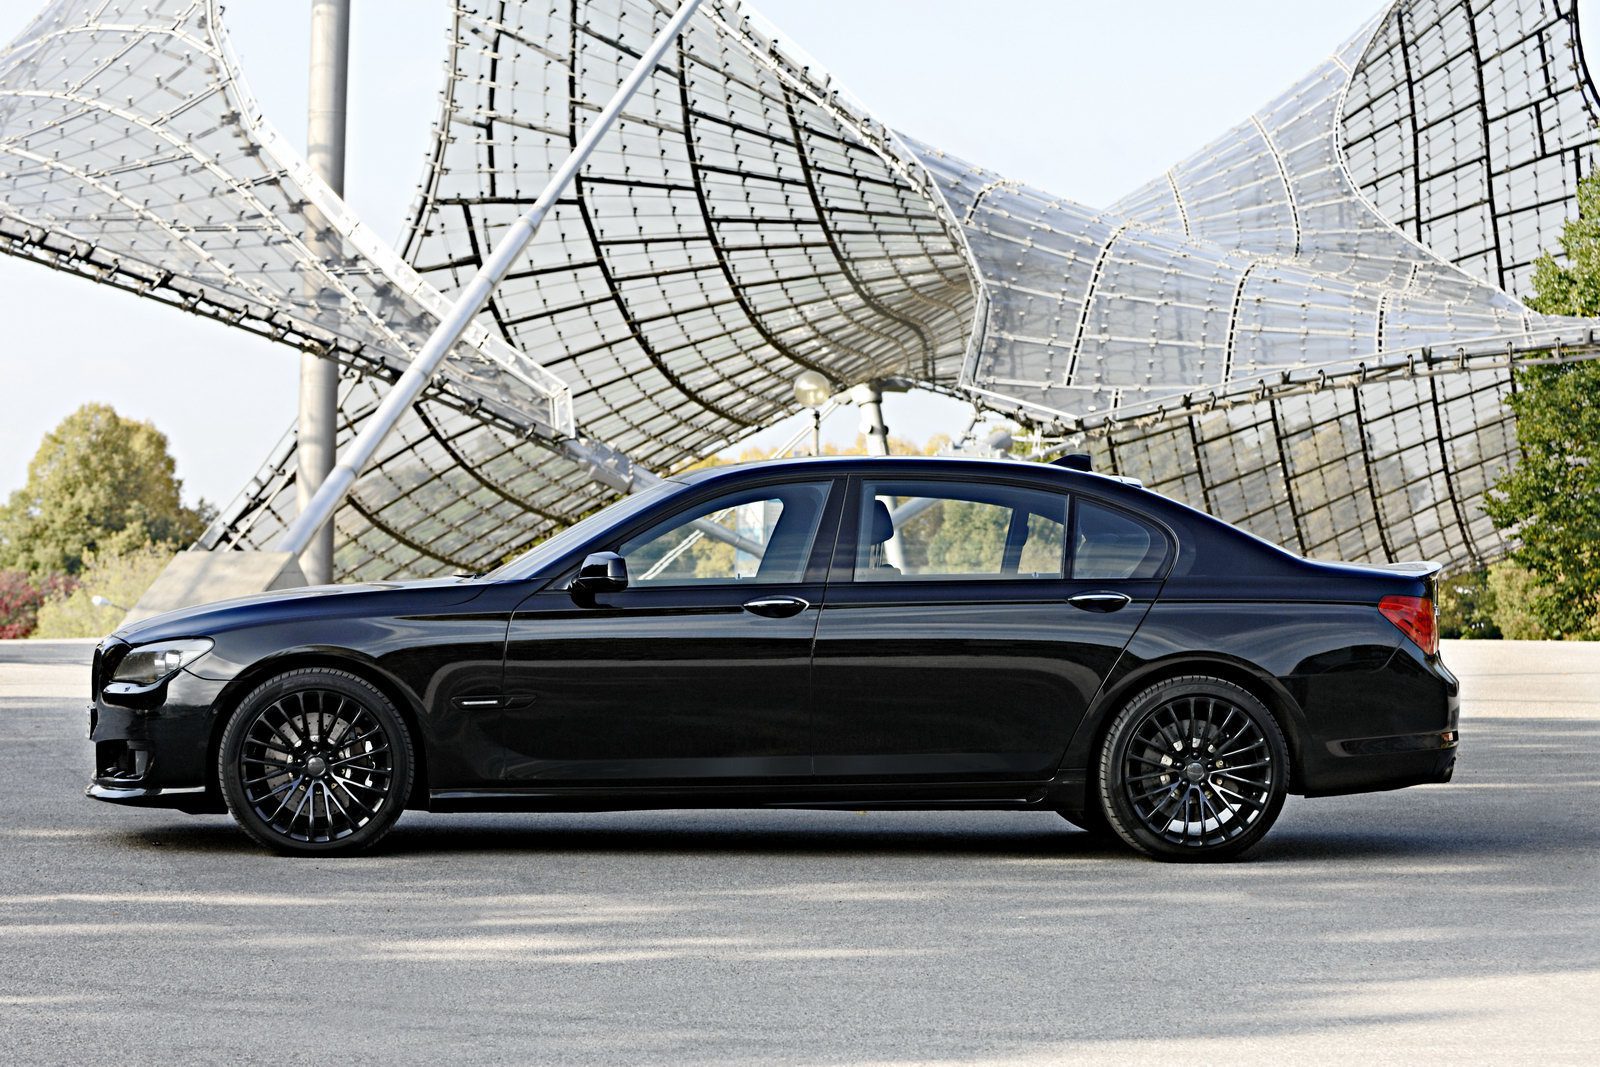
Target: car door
969,624
698,671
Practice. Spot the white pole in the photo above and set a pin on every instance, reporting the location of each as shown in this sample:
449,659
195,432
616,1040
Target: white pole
359,452
869,398
317,432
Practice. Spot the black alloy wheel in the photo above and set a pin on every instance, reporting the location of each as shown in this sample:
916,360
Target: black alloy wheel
1193,768
316,761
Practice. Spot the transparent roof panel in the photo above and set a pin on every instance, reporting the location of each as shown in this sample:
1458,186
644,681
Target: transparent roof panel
1304,327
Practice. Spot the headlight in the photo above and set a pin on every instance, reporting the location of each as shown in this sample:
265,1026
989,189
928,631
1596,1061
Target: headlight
150,664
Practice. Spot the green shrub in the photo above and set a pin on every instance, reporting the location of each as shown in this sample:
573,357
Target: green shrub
121,578
1466,606
1514,592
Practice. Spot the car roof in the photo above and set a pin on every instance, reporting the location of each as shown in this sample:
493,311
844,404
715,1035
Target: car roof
834,465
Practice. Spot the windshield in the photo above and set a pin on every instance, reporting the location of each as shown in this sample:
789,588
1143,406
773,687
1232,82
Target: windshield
552,549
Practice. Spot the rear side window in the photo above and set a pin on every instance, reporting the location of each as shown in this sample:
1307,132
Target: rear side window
1113,545
954,531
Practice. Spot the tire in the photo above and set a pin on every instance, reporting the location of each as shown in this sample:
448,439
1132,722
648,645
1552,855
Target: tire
315,762
1193,768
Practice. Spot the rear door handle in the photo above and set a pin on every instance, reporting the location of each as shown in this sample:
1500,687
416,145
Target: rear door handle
1101,602
776,607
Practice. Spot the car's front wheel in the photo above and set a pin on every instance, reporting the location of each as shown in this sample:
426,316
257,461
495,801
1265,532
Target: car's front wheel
1193,768
315,761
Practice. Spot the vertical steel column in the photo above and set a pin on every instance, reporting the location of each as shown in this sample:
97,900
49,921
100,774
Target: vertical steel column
317,433
868,396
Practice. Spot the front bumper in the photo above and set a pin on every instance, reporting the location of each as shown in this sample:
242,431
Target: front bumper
158,753
196,800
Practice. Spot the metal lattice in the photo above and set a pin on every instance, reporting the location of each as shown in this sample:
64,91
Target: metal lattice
1306,328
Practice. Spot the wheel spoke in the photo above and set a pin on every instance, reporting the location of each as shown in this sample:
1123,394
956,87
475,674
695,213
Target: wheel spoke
265,762
359,755
327,793
1223,729
279,789
370,733
299,807
1152,774
1205,807
1251,802
354,799
263,778
1155,820
1242,748
285,802
1151,794
1247,782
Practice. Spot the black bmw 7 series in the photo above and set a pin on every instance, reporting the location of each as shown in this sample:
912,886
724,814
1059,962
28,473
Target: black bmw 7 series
823,633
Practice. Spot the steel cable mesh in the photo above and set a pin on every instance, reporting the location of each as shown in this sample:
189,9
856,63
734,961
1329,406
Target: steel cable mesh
1271,330
731,232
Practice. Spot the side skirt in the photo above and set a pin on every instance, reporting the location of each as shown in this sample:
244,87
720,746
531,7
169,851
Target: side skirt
1003,796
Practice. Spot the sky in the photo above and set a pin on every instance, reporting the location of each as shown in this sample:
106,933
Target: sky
1083,98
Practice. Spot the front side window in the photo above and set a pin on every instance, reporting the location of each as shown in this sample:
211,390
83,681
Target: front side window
958,531
758,536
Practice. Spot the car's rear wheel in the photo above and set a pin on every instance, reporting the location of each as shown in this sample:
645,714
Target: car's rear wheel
315,761
1193,768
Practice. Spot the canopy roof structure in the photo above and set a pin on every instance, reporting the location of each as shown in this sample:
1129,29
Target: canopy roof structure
1307,328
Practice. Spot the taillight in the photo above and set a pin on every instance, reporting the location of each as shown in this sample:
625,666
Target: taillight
1414,616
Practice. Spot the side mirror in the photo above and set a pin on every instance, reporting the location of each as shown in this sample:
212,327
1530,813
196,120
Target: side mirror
601,572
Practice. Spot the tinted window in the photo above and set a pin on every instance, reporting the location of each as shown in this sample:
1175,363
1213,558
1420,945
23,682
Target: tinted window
1110,544
956,531
757,536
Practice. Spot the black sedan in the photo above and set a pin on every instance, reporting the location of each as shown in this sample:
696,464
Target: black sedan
827,633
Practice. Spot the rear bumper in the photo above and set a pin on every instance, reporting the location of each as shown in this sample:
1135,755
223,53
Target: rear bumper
1405,732
1368,765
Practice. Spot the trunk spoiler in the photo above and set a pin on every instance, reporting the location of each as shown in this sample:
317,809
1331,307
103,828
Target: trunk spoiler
1425,569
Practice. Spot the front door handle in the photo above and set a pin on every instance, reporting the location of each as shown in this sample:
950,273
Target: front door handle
1100,602
776,607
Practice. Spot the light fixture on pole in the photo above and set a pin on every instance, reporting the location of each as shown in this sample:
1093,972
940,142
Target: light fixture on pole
812,390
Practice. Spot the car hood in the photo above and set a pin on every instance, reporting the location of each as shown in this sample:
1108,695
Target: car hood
204,619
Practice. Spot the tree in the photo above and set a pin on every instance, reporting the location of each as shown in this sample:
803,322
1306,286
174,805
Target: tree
99,483
1550,500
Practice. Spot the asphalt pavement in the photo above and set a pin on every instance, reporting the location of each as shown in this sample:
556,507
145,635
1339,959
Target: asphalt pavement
1457,922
